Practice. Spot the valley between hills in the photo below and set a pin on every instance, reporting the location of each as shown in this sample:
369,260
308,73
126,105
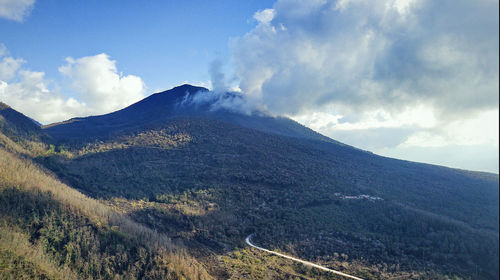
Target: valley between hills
169,188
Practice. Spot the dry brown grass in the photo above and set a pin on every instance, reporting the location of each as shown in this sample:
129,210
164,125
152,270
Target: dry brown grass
161,139
17,242
24,174
27,147
8,144
188,207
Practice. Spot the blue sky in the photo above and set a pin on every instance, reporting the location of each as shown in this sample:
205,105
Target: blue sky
165,42
412,79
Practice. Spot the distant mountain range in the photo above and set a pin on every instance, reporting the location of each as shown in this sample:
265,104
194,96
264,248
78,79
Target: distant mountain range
208,176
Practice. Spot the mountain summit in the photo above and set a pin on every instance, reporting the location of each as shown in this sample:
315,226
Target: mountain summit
182,101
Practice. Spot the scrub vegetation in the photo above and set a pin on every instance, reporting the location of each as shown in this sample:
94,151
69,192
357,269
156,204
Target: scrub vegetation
175,196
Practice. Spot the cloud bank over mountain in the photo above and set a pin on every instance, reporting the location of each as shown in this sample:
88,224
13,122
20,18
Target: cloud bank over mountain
427,71
368,54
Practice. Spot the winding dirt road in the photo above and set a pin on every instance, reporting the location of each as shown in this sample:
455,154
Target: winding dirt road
247,240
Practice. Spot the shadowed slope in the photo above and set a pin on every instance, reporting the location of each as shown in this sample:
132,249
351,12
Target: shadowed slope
19,127
210,178
284,189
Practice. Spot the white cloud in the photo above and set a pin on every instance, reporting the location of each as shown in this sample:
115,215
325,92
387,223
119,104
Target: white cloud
318,120
101,88
16,10
98,82
380,74
479,130
3,50
417,117
416,134
424,139
218,81
32,97
370,54
9,67
471,157
264,16
28,92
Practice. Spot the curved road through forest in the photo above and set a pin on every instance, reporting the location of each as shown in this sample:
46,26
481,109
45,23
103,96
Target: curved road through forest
247,240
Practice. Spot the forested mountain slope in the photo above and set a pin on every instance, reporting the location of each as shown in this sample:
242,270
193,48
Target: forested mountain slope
210,177
51,231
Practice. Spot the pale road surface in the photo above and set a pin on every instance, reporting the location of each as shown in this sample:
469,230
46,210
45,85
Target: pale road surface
247,240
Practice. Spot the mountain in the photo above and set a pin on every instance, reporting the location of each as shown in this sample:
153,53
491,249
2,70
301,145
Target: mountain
18,126
174,103
21,134
207,177
49,230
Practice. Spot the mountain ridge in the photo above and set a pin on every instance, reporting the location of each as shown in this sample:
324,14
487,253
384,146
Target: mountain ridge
167,104
17,125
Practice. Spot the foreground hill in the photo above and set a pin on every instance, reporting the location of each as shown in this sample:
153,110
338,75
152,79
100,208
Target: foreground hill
51,231
211,177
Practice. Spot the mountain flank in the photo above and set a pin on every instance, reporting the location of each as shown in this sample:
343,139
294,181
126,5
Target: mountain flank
207,177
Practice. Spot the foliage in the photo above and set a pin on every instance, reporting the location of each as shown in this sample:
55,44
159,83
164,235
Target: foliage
209,181
229,181
80,233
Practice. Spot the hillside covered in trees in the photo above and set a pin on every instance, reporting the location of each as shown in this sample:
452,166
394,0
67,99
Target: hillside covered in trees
168,188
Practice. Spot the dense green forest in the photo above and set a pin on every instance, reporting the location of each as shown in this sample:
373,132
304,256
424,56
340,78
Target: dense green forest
175,195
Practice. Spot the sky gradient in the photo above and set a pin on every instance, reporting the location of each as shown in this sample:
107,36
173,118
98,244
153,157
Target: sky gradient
411,79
